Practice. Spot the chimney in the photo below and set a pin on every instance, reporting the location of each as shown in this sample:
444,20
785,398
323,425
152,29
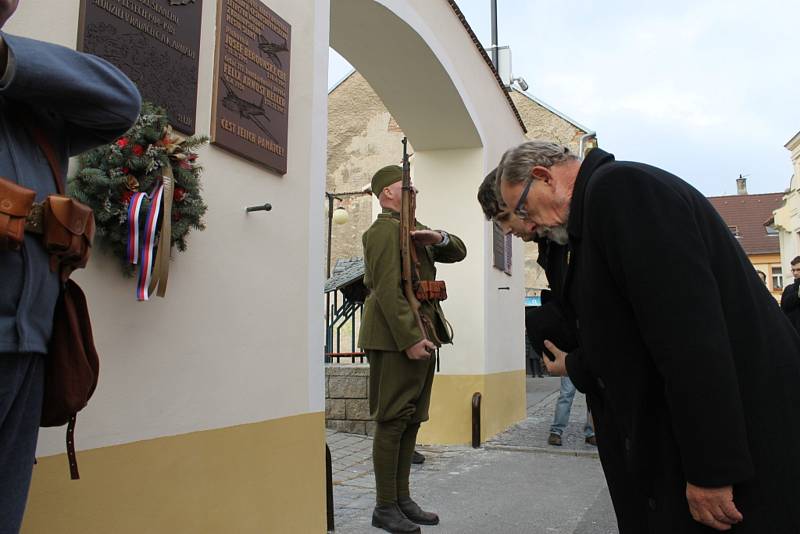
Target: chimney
741,185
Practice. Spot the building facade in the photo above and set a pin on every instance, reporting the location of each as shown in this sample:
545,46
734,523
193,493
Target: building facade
787,218
749,218
214,420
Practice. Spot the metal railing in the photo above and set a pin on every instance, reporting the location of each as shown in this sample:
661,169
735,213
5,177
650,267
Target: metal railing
348,314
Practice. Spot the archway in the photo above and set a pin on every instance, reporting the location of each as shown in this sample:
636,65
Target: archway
426,66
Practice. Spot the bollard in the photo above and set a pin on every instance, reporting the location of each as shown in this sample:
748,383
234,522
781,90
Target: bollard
329,487
476,420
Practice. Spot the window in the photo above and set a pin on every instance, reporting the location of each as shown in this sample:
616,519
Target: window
777,278
771,230
501,248
734,230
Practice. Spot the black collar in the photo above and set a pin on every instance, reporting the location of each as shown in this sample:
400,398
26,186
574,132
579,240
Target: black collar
591,162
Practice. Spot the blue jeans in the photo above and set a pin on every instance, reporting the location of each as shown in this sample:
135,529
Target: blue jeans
564,406
21,390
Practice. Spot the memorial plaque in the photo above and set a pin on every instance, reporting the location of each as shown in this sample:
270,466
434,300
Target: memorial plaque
251,89
155,42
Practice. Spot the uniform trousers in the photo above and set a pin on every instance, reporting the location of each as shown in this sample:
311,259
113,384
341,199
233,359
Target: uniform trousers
21,390
399,398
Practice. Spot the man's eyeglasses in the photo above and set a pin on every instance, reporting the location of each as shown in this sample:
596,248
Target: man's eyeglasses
520,210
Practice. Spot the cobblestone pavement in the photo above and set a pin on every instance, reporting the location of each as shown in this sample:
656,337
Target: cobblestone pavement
515,483
531,434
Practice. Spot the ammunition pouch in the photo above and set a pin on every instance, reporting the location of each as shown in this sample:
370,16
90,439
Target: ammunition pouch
68,233
431,290
15,204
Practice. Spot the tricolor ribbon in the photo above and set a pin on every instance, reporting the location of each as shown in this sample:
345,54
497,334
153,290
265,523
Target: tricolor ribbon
133,227
153,265
148,243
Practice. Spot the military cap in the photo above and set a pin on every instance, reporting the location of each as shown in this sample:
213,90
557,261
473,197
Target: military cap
385,177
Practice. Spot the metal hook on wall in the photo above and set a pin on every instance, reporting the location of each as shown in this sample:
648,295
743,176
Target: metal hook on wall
266,207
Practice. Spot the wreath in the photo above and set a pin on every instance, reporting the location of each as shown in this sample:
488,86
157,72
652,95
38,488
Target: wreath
110,176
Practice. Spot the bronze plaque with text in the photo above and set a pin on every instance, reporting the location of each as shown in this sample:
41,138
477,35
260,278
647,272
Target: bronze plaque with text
251,83
155,42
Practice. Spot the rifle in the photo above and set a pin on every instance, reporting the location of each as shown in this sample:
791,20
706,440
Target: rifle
408,252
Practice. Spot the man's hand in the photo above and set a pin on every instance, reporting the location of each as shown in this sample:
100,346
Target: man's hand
426,237
559,366
7,8
713,507
421,350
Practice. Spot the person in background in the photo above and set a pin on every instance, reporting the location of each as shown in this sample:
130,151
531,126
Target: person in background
400,364
790,300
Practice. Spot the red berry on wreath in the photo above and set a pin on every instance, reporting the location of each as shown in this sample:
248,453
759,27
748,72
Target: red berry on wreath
179,194
122,142
137,150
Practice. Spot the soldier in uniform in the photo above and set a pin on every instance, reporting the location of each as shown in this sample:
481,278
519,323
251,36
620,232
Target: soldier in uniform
401,366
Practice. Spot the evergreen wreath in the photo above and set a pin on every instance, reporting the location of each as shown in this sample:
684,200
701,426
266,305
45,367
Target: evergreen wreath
109,176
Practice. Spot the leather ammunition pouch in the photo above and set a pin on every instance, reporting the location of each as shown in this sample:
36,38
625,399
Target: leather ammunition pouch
15,204
431,290
68,233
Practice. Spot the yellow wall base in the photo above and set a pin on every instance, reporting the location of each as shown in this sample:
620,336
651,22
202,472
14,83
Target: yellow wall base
502,405
261,477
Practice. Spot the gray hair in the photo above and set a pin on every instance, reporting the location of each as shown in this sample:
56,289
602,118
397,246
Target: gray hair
516,164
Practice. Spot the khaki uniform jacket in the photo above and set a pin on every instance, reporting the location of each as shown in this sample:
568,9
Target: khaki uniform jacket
388,322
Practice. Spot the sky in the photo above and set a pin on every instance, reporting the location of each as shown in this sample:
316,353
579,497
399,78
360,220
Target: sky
706,89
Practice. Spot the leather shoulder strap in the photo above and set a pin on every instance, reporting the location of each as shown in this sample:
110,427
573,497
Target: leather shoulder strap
47,148
38,135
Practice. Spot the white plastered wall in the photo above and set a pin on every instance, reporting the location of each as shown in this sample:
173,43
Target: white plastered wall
239,337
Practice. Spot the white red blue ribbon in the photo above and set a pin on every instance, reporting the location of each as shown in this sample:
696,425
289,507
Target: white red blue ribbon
148,242
134,206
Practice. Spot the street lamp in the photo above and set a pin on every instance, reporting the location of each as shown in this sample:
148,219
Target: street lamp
340,216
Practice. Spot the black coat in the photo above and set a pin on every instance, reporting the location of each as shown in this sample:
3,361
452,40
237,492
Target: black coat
548,321
691,368
790,303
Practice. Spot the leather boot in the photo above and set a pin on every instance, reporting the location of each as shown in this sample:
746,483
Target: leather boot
415,513
391,519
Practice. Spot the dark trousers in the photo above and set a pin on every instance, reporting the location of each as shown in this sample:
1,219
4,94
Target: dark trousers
399,397
21,389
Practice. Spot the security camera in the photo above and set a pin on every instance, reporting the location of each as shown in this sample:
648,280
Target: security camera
521,82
